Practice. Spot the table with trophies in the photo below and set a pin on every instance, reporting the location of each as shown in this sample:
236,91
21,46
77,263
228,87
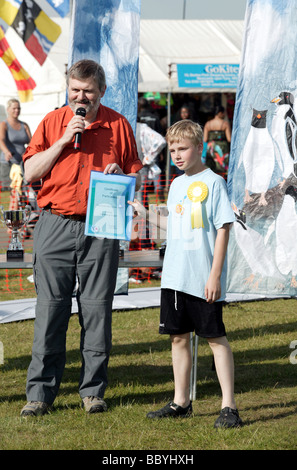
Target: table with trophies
130,259
16,258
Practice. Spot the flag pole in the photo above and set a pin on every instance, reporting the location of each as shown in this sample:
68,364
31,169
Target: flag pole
168,125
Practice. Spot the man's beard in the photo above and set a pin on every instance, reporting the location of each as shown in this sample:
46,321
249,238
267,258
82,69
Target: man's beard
89,107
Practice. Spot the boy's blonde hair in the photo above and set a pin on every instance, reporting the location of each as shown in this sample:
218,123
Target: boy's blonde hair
185,129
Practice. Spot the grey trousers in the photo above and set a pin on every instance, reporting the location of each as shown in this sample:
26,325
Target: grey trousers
61,252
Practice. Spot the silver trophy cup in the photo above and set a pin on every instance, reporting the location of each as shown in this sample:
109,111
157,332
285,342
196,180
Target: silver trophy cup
15,220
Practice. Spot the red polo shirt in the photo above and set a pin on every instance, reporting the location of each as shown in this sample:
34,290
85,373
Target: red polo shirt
109,139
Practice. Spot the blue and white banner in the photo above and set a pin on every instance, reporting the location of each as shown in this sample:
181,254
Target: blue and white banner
61,6
107,31
262,179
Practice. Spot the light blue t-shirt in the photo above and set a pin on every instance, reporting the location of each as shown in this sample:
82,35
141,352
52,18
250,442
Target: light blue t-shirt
189,252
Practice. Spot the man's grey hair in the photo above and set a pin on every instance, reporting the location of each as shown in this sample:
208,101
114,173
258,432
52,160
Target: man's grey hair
85,69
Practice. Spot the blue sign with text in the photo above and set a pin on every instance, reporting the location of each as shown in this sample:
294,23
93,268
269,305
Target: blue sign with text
207,75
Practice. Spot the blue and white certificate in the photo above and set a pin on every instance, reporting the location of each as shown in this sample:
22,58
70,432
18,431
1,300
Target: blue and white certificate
108,213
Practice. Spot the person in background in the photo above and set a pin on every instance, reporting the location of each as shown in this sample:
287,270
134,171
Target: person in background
14,136
146,115
62,253
185,112
149,145
217,134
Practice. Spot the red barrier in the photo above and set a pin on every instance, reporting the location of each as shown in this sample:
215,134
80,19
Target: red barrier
13,281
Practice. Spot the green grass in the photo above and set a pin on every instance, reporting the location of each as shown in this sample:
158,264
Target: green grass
140,379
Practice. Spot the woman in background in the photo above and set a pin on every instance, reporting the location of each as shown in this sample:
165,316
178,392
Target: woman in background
217,134
14,136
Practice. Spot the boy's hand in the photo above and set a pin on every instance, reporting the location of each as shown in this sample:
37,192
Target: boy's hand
139,209
212,289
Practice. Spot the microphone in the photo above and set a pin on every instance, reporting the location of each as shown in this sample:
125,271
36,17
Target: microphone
77,140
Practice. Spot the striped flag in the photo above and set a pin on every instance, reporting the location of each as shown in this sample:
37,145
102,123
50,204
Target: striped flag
8,10
25,84
36,29
108,32
262,177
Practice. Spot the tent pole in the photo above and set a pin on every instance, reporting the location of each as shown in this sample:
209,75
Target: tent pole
168,125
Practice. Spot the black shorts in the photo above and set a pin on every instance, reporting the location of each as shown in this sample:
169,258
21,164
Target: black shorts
183,313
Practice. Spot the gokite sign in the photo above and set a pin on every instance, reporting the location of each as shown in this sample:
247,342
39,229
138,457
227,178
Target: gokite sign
207,75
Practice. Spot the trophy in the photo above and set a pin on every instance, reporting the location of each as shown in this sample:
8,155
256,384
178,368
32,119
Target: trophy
123,246
14,220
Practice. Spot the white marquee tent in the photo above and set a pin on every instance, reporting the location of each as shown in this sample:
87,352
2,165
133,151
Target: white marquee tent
163,44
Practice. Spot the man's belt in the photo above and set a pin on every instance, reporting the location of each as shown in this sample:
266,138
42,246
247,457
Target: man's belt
80,218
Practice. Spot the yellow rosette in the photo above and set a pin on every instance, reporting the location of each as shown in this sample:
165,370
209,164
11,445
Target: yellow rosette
197,193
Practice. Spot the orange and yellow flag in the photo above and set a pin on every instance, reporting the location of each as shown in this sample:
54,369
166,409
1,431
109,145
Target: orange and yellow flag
25,84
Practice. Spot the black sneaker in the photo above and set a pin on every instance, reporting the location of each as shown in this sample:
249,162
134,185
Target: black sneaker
171,410
228,418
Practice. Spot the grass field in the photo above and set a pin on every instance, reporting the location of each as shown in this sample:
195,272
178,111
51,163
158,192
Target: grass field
140,379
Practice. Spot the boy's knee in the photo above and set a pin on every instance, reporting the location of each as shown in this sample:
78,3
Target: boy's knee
220,341
180,339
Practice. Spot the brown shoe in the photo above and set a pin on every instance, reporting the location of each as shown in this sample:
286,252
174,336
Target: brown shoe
94,405
35,408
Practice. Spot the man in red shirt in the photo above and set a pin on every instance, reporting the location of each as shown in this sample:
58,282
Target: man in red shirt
61,252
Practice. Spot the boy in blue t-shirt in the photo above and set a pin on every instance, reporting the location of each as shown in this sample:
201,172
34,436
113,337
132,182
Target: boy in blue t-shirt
193,284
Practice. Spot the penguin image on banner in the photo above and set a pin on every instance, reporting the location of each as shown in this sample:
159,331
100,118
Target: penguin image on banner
258,158
283,131
262,174
258,255
285,233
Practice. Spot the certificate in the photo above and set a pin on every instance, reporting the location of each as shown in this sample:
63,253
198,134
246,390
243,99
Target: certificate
108,213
